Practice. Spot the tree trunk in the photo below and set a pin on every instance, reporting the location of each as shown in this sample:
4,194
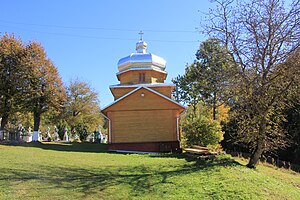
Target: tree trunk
36,121
36,125
214,112
5,114
4,120
256,155
214,105
194,105
260,143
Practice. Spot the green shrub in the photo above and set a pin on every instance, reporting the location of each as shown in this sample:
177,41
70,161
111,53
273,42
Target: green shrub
200,130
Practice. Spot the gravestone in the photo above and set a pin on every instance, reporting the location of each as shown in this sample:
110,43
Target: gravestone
96,137
90,137
48,134
20,131
100,134
66,136
36,136
55,134
29,135
1,135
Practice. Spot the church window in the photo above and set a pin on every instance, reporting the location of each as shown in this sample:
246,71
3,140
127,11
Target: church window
142,78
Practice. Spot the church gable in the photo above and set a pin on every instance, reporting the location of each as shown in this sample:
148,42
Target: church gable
143,98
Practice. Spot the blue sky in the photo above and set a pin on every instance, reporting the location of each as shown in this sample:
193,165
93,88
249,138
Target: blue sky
86,39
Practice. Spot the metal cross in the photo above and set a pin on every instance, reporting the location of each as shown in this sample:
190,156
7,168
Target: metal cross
141,33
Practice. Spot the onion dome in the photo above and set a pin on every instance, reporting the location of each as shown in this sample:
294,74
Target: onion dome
141,60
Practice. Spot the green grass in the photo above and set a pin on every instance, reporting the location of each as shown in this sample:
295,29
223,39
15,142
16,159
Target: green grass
88,171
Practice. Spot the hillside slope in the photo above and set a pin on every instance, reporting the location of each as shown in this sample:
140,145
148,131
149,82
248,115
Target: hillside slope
87,171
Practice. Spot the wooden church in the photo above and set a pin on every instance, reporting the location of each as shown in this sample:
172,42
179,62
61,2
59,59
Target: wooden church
143,117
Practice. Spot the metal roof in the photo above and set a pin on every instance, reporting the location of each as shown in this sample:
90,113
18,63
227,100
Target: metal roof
141,59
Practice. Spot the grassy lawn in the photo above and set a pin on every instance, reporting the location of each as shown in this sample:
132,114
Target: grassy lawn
88,171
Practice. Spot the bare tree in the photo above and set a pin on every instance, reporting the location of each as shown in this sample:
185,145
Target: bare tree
260,35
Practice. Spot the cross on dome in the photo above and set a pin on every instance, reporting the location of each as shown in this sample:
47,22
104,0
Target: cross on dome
141,59
141,33
141,46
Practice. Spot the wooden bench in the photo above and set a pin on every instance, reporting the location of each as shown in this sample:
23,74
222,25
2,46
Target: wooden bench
197,151
200,151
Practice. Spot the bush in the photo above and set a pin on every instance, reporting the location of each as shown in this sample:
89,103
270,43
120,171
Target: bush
200,130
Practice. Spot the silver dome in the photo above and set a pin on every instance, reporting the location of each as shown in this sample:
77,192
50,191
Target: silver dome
142,60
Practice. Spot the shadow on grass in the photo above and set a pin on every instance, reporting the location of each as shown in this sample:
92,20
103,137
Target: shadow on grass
66,146
220,160
103,148
137,181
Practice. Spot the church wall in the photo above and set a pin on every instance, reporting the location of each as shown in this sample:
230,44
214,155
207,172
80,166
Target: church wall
156,77
160,146
143,126
127,78
133,77
149,101
167,91
119,92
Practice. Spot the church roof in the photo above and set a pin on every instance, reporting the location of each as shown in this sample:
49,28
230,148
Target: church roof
141,60
144,85
152,91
